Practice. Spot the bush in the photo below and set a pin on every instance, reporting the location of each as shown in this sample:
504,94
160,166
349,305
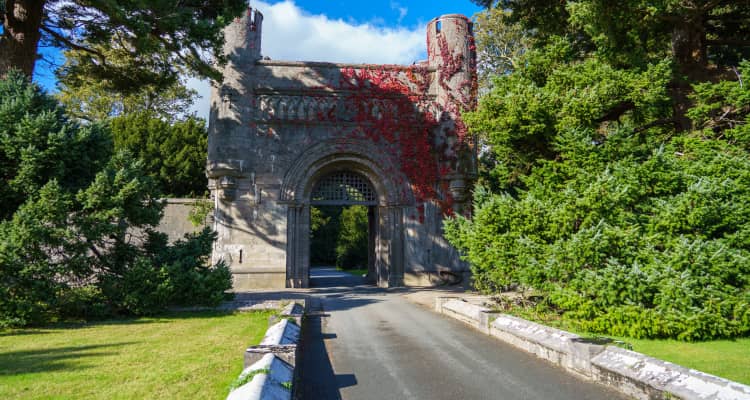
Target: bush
76,231
194,281
86,302
174,153
142,289
325,228
351,246
623,230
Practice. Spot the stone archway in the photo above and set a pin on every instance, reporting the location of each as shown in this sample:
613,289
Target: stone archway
388,204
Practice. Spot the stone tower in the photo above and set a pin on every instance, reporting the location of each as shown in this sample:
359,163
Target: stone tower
287,135
452,52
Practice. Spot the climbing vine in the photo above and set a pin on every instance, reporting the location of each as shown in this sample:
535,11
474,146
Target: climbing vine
387,110
398,108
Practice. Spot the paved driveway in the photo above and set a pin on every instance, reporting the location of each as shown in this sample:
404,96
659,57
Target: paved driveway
368,343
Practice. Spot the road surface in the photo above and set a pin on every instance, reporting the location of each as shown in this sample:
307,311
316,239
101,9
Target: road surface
368,343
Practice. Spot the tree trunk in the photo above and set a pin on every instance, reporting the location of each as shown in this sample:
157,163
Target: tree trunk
689,52
21,32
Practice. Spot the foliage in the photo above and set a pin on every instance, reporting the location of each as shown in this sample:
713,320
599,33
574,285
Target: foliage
325,228
79,240
723,109
200,212
174,153
622,219
156,40
500,44
635,30
93,99
194,281
704,40
351,246
28,160
338,235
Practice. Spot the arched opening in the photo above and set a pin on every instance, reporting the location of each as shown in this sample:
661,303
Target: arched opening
343,209
390,196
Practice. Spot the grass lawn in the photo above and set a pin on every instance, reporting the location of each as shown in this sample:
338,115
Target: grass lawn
725,358
728,359
355,272
175,356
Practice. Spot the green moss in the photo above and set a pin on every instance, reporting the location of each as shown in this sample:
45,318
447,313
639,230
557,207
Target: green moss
243,379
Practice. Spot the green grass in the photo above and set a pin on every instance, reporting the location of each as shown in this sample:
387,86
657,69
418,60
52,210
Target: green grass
355,272
175,356
728,359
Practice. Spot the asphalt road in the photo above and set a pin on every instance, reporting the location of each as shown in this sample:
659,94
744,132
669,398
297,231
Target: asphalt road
368,343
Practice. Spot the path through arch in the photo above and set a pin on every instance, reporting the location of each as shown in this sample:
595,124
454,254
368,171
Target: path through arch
343,212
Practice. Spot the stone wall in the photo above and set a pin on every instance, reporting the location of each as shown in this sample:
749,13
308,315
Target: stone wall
277,128
175,222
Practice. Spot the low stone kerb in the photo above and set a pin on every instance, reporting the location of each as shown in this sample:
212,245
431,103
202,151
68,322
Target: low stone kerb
630,371
272,380
281,339
283,332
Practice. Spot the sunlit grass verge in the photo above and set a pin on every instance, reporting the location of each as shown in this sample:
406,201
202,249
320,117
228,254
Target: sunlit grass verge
176,356
728,359
355,272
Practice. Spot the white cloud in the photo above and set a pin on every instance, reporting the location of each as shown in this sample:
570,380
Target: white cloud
402,11
290,33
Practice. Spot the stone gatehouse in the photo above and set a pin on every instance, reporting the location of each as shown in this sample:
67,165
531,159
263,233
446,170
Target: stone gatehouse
285,136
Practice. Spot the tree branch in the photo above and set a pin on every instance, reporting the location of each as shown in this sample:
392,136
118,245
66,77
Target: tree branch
728,41
96,252
62,39
658,122
617,111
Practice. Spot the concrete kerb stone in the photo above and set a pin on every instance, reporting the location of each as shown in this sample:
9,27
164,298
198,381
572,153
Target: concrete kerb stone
279,349
439,301
253,305
477,316
294,310
629,372
559,347
645,377
272,380
281,339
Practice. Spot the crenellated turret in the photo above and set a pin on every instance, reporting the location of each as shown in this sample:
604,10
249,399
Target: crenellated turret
451,49
229,102
243,37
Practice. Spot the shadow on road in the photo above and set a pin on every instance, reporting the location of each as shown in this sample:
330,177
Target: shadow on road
317,377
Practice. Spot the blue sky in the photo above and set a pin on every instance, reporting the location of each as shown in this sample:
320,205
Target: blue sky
376,31
408,13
